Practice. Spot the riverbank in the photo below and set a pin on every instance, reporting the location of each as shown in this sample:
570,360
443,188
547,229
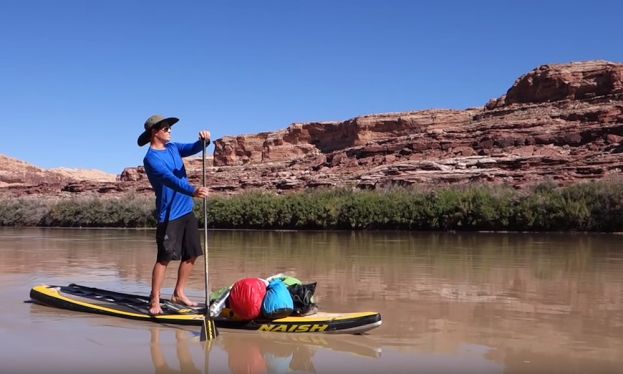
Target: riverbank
595,206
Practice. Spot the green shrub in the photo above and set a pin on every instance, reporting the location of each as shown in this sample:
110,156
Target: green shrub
127,211
23,211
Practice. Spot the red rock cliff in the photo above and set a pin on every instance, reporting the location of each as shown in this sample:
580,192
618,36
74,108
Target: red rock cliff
558,122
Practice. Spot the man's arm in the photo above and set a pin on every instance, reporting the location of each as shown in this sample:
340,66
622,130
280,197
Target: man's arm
190,149
158,170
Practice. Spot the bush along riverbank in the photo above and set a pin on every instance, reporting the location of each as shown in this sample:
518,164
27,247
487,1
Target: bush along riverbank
125,211
582,207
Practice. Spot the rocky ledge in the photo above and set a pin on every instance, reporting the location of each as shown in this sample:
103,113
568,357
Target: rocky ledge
558,123
16,175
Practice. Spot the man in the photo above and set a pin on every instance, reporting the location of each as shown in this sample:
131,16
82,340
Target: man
177,234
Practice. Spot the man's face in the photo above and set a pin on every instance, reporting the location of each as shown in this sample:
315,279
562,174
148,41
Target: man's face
164,134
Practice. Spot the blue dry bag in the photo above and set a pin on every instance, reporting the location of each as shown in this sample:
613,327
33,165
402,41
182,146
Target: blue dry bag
277,302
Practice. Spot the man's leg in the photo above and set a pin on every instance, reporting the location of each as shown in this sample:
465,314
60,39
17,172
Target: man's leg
183,273
157,277
191,249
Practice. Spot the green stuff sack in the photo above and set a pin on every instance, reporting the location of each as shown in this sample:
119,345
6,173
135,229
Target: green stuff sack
290,281
216,295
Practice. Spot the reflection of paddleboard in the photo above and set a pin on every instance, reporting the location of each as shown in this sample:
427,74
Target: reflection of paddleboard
362,346
94,300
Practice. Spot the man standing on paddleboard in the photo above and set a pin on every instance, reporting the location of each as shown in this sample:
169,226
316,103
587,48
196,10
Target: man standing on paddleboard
177,234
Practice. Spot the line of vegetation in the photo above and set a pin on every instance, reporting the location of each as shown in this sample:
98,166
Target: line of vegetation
584,207
125,211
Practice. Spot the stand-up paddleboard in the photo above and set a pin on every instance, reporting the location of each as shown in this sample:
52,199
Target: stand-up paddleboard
95,300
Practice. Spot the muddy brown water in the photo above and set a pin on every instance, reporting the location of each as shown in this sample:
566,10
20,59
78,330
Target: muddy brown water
451,302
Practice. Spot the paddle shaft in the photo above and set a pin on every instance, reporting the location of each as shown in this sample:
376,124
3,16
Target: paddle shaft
205,228
208,328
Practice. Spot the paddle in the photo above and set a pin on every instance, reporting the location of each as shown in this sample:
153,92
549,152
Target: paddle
208,328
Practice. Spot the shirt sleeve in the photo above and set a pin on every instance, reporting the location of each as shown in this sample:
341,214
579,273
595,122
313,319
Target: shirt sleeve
158,170
190,149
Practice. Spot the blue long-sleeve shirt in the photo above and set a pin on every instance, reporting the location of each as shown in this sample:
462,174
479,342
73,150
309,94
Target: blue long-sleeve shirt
167,175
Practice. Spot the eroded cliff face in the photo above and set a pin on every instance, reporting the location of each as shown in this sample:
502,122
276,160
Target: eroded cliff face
300,141
575,81
560,123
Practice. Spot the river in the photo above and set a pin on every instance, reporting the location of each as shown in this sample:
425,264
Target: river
450,302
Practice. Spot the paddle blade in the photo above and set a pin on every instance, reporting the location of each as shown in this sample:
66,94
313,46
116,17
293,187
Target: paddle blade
208,329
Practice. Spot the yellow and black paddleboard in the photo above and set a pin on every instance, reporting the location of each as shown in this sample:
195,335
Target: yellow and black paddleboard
94,300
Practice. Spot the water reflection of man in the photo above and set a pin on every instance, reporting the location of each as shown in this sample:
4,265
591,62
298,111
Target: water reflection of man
183,354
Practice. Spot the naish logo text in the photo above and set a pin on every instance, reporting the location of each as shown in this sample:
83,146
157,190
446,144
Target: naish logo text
293,328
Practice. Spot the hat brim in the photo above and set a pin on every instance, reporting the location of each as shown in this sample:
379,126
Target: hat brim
145,137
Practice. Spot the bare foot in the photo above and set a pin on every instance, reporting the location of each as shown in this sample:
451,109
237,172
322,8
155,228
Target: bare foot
183,300
154,307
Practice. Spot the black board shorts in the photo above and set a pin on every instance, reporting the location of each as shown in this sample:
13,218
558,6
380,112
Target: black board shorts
179,239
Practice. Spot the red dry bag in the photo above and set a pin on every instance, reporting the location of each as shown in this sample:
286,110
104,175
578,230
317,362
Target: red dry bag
246,296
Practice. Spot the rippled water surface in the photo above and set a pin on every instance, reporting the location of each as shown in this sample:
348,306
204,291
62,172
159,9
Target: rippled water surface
451,302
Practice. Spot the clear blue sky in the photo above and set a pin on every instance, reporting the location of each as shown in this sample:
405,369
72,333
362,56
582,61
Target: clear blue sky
79,78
